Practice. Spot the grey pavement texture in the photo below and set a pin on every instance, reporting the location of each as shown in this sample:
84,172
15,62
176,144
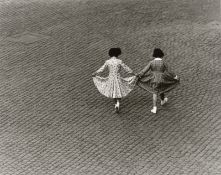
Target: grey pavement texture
53,121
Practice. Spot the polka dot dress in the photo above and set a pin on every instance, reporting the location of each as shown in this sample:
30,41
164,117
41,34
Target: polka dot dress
114,86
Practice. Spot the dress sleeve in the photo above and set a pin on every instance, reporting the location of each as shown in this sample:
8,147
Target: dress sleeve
147,68
168,69
102,68
125,67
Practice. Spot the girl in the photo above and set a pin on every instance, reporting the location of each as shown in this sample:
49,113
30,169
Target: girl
114,86
159,78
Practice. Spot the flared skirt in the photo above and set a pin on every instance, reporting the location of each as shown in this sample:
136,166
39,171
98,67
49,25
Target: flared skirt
115,87
158,83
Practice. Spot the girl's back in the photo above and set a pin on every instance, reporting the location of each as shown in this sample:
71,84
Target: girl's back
114,65
157,66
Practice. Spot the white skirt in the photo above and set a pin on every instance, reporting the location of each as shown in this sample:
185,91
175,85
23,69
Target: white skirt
115,87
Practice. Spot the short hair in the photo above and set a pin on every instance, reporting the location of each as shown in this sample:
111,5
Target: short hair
158,53
114,52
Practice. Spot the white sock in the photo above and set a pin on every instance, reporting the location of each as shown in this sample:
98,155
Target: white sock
154,110
118,103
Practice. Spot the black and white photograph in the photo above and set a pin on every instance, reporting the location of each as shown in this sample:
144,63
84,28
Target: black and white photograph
110,87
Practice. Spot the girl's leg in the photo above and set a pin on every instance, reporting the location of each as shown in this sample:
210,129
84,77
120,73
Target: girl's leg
162,96
118,101
154,100
154,110
117,104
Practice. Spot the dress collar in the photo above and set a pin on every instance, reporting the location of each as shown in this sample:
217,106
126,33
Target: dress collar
157,59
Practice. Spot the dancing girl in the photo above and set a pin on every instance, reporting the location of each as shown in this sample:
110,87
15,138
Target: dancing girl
114,86
157,78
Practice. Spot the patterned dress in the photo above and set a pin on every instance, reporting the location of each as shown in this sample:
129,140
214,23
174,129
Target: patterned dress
114,86
157,78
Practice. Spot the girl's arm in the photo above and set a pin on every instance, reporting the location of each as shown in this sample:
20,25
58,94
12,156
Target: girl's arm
147,68
129,70
100,70
169,70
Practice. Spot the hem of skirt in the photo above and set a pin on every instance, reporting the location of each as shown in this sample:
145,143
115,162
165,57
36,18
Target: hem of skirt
115,96
158,92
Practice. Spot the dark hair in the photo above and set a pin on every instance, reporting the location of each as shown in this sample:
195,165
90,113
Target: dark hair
114,52
158,53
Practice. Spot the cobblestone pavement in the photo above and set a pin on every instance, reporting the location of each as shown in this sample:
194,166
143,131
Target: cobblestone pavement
53,121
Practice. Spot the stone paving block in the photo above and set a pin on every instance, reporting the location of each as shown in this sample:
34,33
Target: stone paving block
27,37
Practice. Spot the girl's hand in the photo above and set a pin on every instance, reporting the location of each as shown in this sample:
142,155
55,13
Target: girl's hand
176,77
94,74
138,75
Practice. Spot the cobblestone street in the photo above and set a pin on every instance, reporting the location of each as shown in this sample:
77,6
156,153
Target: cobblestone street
53,121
